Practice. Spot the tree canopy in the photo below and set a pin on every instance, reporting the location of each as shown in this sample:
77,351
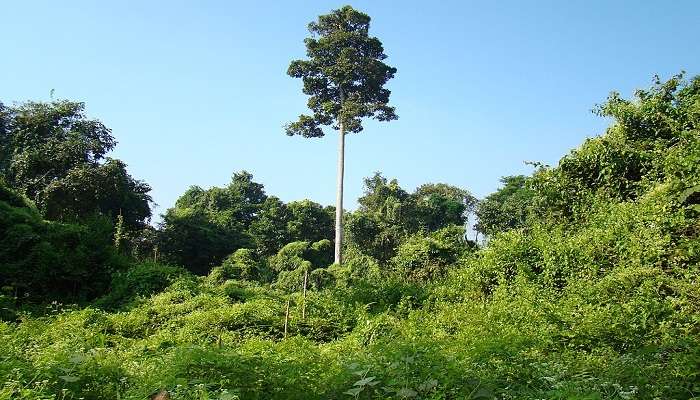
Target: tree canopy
344,75
206,226
56,156
507,208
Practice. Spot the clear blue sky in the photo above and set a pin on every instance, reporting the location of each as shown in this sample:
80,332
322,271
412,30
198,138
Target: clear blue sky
196,90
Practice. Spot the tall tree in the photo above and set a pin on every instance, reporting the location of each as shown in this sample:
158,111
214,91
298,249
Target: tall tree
310,221
344,77
269,230
386,217
205,226
507,208
439,205
56,156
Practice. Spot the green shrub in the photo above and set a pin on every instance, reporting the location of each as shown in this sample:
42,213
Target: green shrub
422,258
44,260
321,253
295,258
141,279
290,257
242,264
293,281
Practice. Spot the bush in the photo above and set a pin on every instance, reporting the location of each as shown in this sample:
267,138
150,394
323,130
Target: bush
45,260
321,253
242,264
356,267
422,258
320,278
293,281
296,257
141,279
290,257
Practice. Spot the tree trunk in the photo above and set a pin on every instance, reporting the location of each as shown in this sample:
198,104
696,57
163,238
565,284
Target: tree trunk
339,197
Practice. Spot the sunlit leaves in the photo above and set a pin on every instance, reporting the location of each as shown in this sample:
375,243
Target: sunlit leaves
344,75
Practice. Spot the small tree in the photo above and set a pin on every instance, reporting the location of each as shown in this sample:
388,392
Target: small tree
344,77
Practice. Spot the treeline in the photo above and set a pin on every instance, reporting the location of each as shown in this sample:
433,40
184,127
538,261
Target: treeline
69,212
73,218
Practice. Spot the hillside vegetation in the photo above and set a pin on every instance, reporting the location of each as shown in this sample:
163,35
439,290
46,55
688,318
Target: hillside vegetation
587,287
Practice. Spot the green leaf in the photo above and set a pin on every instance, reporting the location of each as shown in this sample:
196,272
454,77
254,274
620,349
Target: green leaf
69,379
354,391
363,382
428,385
77,358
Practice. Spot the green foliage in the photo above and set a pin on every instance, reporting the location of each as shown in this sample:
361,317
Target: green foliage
344,75
321,253
14,199
649,134
292,255
191,238
388,215
243,264
298,258
293,280
507,208
205,226
321,278
269,230
423,258
367,234
310,221
55,155
239,201
357,267
278,223
44,260
592,295
439,205
142,279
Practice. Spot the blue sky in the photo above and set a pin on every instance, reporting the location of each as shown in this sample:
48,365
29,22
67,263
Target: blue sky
194,91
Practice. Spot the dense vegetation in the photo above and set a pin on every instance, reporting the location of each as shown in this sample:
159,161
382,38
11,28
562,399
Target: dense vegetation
586,287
